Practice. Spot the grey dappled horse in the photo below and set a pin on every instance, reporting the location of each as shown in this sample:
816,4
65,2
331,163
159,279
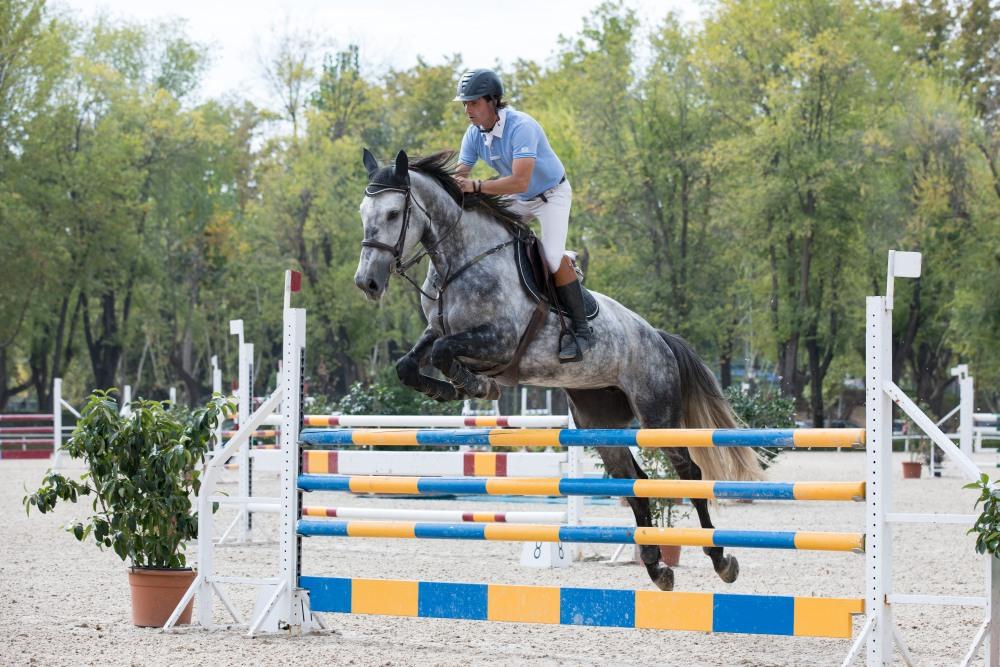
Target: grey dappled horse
477,310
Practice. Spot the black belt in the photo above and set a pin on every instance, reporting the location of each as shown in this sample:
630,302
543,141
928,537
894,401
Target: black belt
542,195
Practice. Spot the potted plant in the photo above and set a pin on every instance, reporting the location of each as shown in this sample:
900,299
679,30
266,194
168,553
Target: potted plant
664,511
143,471
918,454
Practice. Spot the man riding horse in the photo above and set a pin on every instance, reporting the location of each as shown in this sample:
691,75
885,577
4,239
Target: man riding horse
479,310
514,145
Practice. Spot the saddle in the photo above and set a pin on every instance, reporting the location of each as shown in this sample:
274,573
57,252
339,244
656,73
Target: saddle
538,283
536,278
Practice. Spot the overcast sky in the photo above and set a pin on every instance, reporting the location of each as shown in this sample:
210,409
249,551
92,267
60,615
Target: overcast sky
390,33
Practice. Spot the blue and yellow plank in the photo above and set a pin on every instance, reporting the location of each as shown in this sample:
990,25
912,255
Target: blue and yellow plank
571,486
544,437
698,612
699,537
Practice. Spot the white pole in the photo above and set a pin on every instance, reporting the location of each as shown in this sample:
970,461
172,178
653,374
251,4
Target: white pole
217,391
126,408
290,605
173,396
524,400
878,445
245,353
966,400
992,648
56,422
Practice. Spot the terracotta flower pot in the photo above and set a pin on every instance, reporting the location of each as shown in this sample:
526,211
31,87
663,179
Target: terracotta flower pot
156,592
911,469
670,554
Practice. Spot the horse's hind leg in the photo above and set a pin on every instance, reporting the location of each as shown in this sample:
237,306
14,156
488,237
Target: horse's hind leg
658,406
726,566
609,408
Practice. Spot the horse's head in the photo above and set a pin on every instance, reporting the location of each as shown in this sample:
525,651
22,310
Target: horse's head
390,231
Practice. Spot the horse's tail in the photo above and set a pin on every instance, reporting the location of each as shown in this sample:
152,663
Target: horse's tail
703,406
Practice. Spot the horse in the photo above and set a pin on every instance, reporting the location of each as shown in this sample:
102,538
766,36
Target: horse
476,309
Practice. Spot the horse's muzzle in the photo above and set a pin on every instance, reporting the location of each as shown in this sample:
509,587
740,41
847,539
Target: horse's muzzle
370,286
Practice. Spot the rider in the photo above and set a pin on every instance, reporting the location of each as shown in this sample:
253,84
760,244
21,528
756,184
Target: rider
514,144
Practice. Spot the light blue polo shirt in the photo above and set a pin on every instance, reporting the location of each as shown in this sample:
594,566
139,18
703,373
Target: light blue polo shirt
518,135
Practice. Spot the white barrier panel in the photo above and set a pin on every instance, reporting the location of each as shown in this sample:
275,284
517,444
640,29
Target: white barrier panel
426,464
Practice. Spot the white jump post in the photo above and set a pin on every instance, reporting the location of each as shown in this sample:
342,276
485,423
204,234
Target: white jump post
288,605
243,409
58,405
280,605
217,391
966,407
880,633
56,421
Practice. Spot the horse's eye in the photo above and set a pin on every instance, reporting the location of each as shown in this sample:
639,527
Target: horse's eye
393,214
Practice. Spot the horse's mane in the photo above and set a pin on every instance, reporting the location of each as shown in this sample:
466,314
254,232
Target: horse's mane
441,167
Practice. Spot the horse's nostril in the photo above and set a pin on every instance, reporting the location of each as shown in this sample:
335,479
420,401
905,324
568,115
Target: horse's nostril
373,286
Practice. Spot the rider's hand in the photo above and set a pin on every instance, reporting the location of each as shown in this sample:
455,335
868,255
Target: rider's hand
466,184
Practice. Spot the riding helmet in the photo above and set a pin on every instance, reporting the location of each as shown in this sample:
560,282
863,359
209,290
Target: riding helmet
478,83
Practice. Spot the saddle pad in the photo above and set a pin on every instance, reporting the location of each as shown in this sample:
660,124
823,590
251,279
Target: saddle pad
530,282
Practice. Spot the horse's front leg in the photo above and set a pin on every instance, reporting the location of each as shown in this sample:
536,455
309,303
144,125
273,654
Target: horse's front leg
408,370
485,343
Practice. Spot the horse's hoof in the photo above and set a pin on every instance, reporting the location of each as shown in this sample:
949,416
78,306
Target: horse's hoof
665,579
493,391
730,569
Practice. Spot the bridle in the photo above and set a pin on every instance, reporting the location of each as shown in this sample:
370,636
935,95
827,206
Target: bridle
401,266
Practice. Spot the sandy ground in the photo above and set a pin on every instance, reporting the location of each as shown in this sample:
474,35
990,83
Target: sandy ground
66,603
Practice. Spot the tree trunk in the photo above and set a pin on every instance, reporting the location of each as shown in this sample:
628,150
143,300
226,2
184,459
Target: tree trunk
815,380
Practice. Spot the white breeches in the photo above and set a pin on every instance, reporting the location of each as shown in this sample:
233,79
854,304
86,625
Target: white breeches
554,218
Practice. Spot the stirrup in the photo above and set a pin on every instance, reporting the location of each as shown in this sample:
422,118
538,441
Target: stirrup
567,339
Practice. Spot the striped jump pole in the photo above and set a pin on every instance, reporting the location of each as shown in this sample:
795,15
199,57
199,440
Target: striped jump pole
436,421
643,438
572,486
691,537
14,418
33,436
658,610
451,516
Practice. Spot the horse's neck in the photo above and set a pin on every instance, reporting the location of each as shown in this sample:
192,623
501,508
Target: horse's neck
453,235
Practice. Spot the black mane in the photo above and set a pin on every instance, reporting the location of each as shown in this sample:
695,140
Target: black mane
441,167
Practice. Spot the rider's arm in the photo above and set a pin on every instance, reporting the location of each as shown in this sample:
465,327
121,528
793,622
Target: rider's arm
463,169
514,184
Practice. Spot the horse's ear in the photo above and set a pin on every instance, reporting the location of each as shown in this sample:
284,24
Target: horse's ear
371,164
402,167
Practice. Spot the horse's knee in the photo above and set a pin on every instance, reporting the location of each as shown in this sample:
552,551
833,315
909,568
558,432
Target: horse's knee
440,355
408,371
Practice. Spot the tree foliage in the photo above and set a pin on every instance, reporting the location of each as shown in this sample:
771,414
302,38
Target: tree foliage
737,182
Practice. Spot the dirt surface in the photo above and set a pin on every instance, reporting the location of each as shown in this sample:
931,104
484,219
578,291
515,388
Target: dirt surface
67,603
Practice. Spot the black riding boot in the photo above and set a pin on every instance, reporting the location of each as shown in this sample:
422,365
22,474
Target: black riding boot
576,340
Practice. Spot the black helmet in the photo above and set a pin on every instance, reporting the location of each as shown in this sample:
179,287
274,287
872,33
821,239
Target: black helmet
478,83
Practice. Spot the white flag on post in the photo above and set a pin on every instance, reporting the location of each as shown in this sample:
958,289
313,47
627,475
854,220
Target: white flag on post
904,264
901,265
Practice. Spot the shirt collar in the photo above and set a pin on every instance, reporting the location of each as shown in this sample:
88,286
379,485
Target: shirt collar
497,130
